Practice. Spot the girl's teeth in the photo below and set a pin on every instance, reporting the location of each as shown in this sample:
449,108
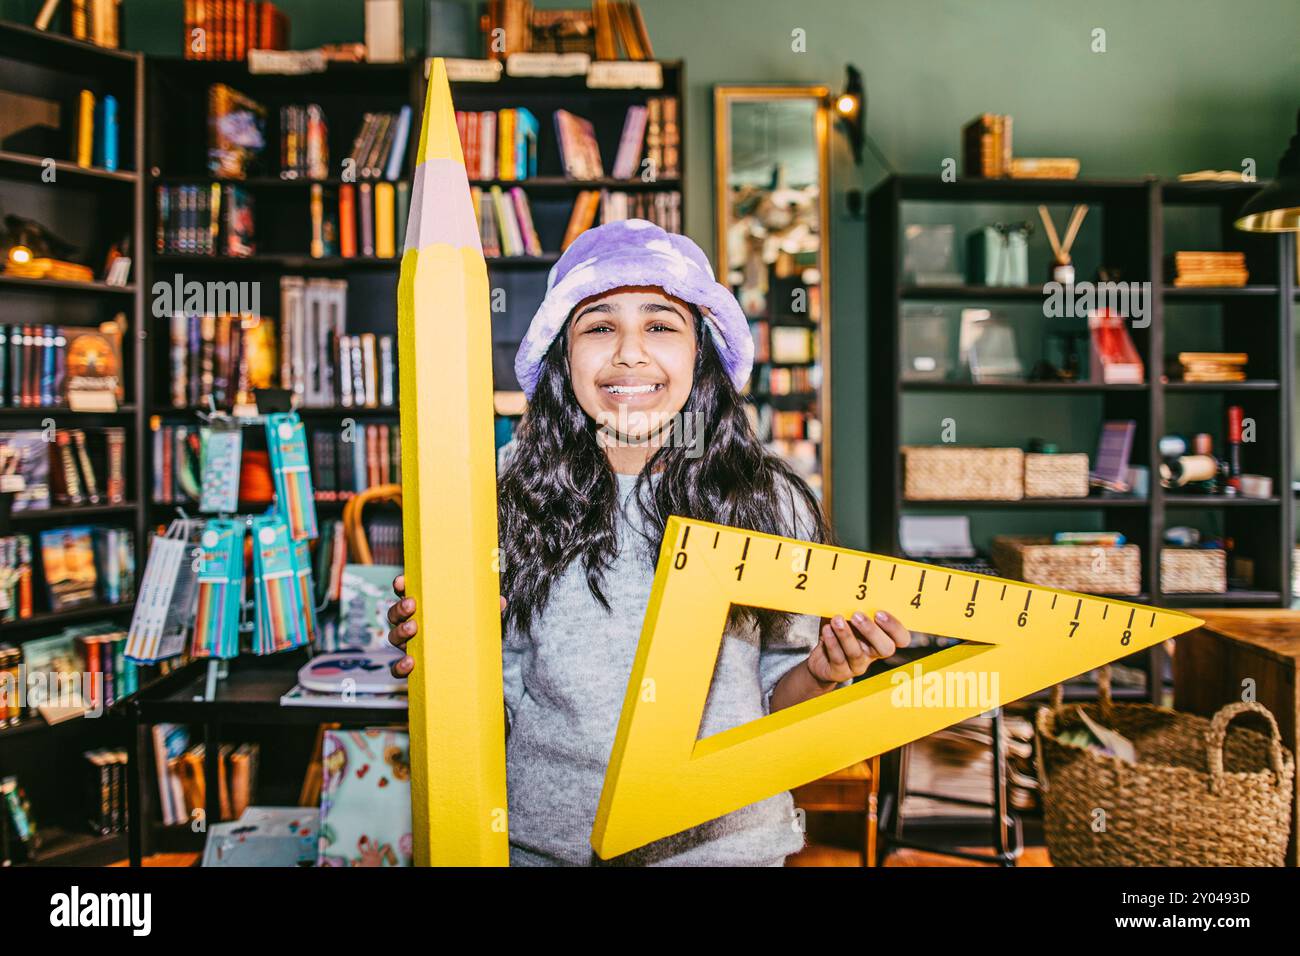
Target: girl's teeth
631,389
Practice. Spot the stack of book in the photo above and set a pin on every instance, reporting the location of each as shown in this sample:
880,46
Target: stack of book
986,146
220,359
663,137
321,364
43,267
366,219
1201,269
304,142
1212,366
505,222
620,24
106,790
81,466
662,207
579,151
228,29
181,785
499,144
96,139
176,458
84,564
46,366
1056,167
379,149
95,21
15,577
211,220
350,461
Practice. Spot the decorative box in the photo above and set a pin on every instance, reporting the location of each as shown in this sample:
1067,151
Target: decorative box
1072,567
1193,570
947,472
1056,476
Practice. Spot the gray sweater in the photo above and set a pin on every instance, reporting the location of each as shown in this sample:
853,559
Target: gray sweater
564,692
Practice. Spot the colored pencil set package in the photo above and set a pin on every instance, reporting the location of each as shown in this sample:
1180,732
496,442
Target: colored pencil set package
282,620
286,440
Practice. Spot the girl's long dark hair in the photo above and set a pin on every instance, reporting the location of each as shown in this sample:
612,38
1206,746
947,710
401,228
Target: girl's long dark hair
558,496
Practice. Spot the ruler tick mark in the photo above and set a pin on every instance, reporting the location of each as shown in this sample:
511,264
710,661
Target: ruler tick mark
1153,619
778,550
892,571
1078,608
1053,602
1028,595
807,557
975,590
866,571
947,584
1004,593
1131,612
745,550
835,559
716,536
686,533
1105,609
920,585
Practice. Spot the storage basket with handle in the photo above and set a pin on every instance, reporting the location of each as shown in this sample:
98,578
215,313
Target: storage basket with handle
1196,796
354,531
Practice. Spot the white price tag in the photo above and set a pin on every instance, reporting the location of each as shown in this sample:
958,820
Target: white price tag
547,64
469,71
286,62
625,75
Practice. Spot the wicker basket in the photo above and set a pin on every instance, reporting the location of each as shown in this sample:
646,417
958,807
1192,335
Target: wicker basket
1087,568
1056,476
1197,796
1193,570
945,473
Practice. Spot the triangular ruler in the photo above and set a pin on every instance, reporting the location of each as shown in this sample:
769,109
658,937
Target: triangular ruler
662,780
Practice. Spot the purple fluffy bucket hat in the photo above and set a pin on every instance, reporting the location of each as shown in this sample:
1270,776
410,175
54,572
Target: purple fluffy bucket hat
634,252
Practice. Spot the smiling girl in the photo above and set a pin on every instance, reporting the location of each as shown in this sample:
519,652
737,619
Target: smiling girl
632,367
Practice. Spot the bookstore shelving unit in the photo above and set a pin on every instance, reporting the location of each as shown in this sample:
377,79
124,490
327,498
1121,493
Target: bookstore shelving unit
1136,224
247,701
91,207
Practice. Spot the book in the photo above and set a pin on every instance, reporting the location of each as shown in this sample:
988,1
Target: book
85,141
579,151
68,562
106,133
384,233
236,132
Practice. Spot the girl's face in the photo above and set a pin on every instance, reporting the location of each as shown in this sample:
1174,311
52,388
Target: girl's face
632,359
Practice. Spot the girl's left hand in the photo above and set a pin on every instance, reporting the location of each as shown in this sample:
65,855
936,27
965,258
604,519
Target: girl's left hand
847,648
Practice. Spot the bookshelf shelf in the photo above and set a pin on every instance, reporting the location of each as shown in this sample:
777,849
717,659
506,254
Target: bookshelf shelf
22,166
276,262
1219,292
73,511
1043,504
1256,319
70,616
54,50
1066,387
564,183
66,285
62,410
1251,385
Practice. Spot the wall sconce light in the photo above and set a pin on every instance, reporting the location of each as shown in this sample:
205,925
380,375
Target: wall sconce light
1276,207
850,109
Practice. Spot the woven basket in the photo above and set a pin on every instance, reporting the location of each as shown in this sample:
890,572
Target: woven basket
1193,570
1056,476
944,473
1196,797
1071,567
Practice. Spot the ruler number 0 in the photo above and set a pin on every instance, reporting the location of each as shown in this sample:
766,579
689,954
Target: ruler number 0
679,562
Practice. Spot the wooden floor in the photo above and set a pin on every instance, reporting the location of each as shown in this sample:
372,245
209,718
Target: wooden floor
812,856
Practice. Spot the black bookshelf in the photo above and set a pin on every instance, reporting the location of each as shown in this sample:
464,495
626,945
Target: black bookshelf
91,207
247,702
1135,226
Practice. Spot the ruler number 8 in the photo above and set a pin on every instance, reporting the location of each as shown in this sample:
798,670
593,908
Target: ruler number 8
1126,638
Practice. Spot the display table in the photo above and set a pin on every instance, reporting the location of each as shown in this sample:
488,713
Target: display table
1213,664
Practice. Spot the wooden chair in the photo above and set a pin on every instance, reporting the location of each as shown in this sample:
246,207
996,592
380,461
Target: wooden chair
854,789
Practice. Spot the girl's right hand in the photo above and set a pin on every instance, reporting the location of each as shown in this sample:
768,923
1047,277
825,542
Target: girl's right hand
401,615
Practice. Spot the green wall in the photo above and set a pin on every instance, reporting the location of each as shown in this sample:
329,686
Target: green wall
1183,84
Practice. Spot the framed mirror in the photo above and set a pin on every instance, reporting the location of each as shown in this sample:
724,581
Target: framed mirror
771,152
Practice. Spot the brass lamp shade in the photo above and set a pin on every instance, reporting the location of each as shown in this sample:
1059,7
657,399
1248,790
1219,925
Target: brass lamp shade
1276,207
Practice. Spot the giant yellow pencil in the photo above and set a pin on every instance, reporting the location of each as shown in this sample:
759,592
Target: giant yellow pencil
449,524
